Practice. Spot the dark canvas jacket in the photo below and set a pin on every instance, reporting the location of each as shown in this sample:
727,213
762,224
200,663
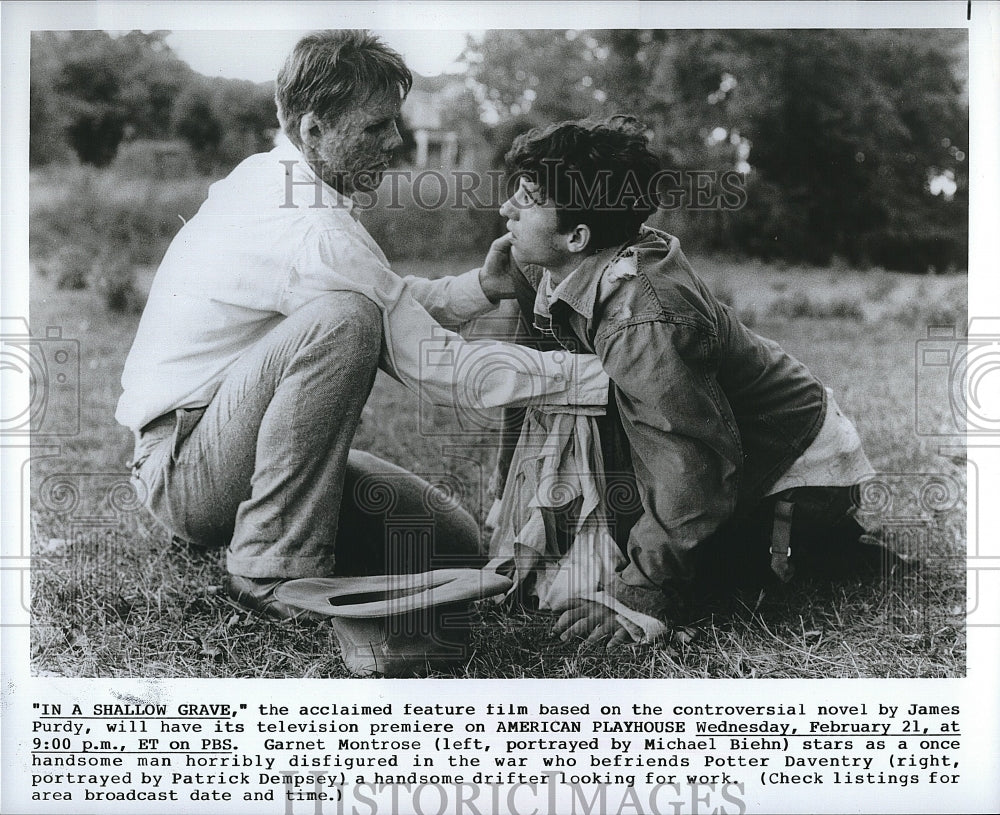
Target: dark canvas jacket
705,415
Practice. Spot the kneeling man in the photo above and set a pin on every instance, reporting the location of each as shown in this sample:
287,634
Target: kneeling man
727,462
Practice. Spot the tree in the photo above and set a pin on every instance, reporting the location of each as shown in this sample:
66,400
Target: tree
46,114
247,116
91,90
547,75
838,132
195,122
90,82
95,136
153,79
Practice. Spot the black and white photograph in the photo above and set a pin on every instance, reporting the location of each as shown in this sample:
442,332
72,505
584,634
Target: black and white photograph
751,231
651,349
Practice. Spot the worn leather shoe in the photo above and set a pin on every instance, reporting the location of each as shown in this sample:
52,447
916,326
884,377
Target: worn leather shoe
257,594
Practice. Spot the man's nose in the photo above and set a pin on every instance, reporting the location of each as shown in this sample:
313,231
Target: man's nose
508,210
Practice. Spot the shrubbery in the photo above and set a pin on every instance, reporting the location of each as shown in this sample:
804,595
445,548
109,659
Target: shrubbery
91,228
92,92
801,304
409,225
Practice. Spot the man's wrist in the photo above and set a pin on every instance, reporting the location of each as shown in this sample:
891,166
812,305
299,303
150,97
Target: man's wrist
589,384
467,293
492,292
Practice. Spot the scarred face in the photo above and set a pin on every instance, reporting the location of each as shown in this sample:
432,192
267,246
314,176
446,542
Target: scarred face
352,152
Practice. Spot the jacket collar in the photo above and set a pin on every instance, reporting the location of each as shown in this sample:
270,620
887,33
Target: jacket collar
580,289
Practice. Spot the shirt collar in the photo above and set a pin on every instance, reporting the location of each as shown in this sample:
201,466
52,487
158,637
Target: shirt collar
302,173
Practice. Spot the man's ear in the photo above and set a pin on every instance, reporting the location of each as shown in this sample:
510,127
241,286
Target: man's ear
578,239
309,129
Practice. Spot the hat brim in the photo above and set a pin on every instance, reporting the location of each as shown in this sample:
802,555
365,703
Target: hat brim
390,595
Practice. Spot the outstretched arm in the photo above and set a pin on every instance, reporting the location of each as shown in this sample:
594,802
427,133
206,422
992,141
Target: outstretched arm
437,364
455,300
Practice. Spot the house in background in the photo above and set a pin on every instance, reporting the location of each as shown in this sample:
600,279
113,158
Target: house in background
443,138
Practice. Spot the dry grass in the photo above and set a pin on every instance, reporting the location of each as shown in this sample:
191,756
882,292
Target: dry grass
112,596
869,296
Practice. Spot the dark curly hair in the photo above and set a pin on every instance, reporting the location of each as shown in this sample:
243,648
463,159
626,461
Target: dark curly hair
328,71
598,173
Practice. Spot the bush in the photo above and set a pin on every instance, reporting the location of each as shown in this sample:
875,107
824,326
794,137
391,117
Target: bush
90,228
95,136
799,304
152,158
951,309
430,221
69,267
882,286
89,209
114,278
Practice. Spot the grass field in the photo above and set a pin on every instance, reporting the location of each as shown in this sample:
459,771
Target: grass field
113,596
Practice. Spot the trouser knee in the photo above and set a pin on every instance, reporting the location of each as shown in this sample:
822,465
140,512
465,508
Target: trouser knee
352,318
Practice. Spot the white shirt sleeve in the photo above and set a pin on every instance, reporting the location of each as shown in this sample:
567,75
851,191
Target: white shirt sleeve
452,300
437,364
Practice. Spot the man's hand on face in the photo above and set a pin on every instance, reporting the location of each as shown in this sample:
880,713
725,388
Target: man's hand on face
594,622
496,274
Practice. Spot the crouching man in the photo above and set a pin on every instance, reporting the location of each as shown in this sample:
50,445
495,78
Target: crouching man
267,320
727,463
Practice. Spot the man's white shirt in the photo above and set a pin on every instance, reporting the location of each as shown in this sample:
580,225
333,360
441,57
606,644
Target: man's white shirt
260,248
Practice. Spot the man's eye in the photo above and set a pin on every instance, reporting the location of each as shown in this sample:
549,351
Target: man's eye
530,195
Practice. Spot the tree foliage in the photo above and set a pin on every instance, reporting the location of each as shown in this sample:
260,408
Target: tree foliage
91,90
195,120
839,133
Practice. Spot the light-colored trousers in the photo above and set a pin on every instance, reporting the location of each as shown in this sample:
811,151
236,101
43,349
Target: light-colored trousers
267,466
